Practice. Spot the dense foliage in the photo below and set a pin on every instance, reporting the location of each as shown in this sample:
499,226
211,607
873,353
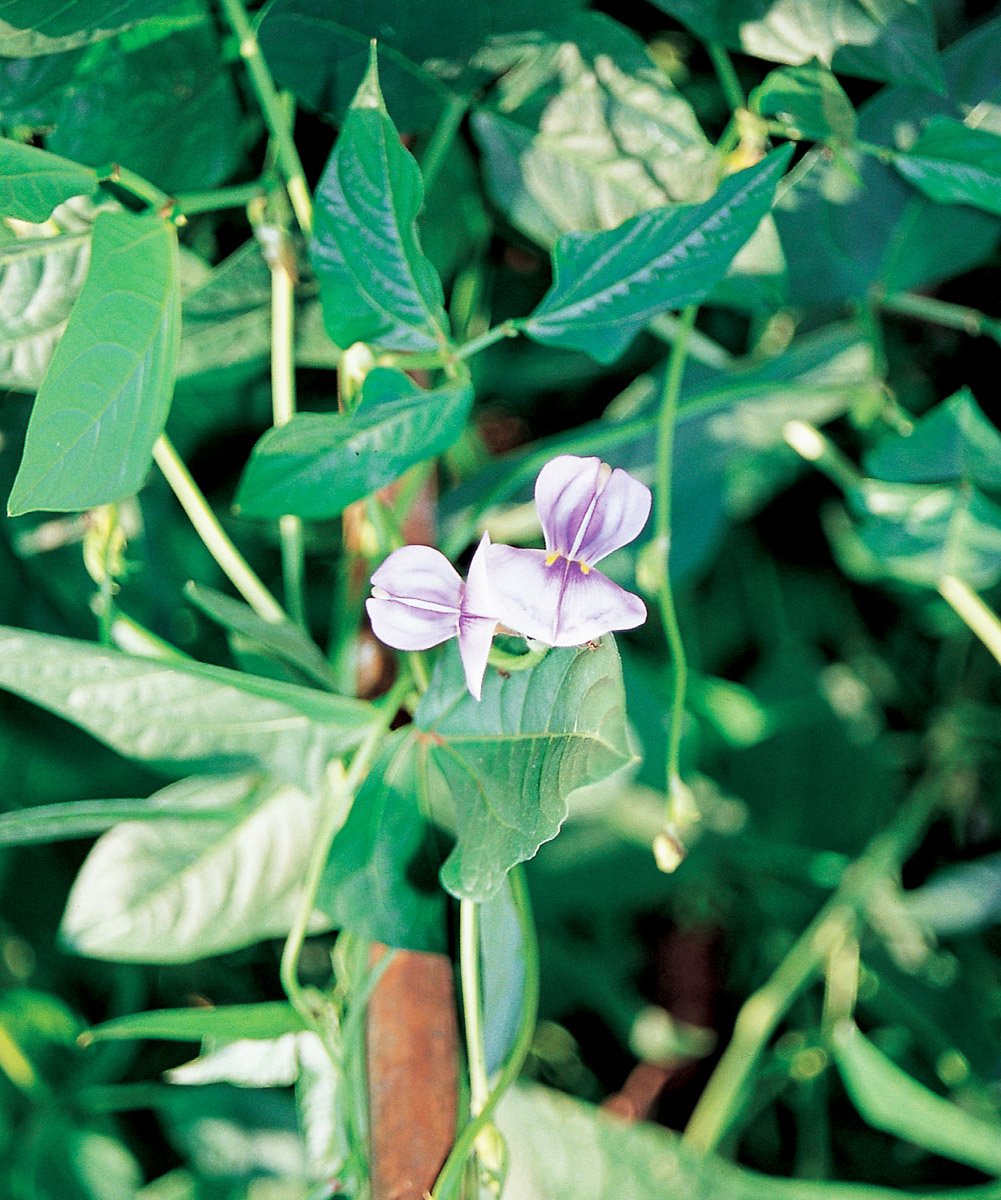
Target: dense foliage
285,291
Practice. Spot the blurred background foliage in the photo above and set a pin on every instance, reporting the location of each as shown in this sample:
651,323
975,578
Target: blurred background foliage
830,678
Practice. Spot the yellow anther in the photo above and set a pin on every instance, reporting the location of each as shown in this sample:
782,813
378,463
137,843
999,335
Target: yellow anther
584,568
551,558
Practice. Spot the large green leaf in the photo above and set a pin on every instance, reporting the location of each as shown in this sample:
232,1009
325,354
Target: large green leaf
318,464
258,1021
586,132
105,398
878,39
894,1101
183,134
179,890
33,182
955,164
930,505
845,230
31,88
376,284
381,879
809,101
318,48
505,768
34,27
608,285
182,716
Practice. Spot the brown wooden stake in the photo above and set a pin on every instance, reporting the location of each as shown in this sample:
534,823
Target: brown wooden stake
413,1069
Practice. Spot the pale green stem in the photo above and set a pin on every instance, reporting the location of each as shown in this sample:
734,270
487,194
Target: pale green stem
760,1015
283,410
663,474
239,195
980,619
941,312
232,563
508,329
726,74
338,797
440,142
472,1004
271,109
451,1175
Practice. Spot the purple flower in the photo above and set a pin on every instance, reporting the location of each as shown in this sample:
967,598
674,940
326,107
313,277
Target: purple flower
418,601
555,595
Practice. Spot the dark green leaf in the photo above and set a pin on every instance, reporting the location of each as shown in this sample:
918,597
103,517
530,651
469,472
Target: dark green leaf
878,39
182,134
33,27
318,48
376,285
586,132
809,100
318,464
105,398
381,879
509,765
285,640
955,164
608,285
178,717
179,890
33,182
891,1100
230,1021
31,88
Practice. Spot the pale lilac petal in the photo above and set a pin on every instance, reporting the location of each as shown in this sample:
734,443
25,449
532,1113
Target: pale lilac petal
420,573
476,635
478,596
558,603
404,627
415,602
617,518
564,494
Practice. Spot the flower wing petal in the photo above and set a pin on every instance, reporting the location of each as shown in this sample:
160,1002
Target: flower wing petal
420,573
564,492
404,627
558,603
618,517
475,637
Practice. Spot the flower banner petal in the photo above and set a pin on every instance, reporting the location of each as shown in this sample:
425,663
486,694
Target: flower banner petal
564,493
617,518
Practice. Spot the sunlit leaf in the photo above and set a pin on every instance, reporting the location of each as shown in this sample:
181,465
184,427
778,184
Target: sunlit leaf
809,100
32,27
33,182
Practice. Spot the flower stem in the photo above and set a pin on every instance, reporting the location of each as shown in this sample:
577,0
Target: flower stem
761,1013
271,109
452,1172
677,816
234,566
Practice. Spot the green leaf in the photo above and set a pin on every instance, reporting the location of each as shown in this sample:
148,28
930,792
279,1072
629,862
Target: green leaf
318,464
891,1100
33,182
878,39
586,132
318,48
105,398
381,877
953,163
376,284
285,640
931,506
186,716
231,1021
608,285
809,100
959,899
34,27
179,890
183,134
31,88
507,767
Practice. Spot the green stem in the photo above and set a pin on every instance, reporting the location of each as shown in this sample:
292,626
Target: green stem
663,473
283,410
978,617
271,109
239,195
232,563
440,142
941,312
137,187
726,74
811,444
761,1013
452,1172
883,153
508,329
338,798
472,1004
